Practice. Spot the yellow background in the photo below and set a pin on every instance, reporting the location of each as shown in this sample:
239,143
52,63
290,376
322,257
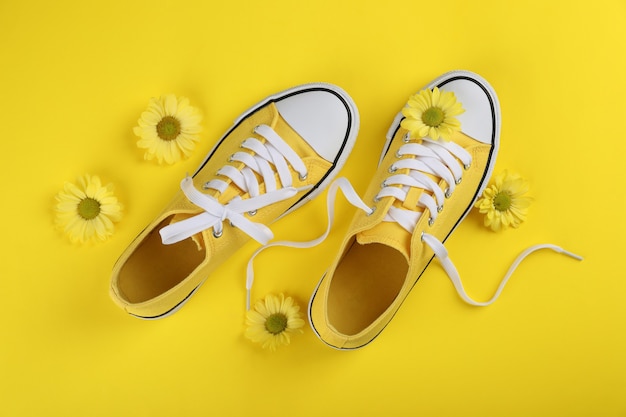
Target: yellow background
75,77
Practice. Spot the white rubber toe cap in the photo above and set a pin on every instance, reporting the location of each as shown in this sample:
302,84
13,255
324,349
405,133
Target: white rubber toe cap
321,116
481,117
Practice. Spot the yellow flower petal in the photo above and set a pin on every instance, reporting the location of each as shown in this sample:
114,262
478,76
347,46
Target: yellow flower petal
514,187
256,319
76,227
169,150
170,104
444,102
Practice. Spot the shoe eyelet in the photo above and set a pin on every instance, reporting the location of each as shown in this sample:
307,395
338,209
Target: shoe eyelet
406,138
252,212
373,208
431,221
377,199
392,169
383,184
448,193
440,208
217,234
458,181
205,186
230,158
398,154
468,166
303,177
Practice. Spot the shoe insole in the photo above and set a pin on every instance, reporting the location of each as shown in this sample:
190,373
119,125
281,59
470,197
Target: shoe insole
365,283
154,268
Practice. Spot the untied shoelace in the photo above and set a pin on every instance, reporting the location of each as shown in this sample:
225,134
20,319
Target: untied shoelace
425,160
268,158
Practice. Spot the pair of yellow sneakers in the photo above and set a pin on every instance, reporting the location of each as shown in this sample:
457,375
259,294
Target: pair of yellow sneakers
286,150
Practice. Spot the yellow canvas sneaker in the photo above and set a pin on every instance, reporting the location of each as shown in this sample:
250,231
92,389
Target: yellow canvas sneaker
439,155
278,155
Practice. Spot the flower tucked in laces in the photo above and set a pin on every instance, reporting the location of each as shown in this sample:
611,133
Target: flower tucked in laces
273,320
503,202
86,211
168,129
432,113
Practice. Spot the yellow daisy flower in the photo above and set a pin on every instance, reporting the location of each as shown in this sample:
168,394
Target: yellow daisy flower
168,129
86,211
432,113
503,203
273,320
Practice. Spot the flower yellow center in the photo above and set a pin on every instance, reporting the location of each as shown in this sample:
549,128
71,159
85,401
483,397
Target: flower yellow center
276,323
433,116
88,208
502,201
168,128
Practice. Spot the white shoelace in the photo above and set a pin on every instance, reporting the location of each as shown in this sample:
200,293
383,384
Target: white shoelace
268,158
350,194
434,158
426,159
442,254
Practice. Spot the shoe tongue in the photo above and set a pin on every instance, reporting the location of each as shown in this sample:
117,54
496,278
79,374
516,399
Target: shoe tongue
389,234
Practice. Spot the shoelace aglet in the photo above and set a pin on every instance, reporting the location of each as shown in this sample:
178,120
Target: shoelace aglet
555,248
570,254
